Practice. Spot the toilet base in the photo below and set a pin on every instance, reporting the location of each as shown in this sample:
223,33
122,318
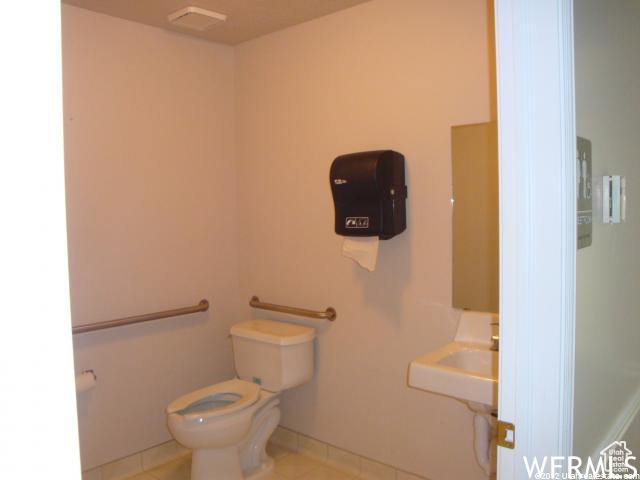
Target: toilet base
223,461
253,455
261,472
247,461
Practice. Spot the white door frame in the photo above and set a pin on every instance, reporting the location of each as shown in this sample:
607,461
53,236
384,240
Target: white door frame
537,143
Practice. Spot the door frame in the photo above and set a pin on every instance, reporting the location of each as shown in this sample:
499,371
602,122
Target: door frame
537,144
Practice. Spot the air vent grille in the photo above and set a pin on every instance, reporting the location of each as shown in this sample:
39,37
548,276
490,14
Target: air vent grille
195,18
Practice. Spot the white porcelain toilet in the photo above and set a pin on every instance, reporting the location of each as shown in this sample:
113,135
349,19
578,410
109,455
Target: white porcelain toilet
227,425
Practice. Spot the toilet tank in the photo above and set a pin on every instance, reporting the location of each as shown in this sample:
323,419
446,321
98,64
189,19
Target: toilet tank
275,355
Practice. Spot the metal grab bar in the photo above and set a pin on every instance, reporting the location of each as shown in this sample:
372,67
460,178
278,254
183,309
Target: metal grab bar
203,306
329,314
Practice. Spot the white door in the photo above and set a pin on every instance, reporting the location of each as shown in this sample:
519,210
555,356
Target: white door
37,402
537,143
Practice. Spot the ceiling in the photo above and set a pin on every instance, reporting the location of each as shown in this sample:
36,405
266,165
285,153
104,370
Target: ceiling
246,19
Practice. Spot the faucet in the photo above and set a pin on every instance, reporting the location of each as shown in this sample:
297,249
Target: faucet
495,339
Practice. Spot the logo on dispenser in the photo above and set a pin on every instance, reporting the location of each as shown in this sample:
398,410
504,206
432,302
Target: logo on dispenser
357,222
339,181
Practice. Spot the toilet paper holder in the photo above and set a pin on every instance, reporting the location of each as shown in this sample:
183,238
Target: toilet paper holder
86,380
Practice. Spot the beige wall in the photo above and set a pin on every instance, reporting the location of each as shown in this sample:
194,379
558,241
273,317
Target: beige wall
608,304
152,220
632,435
385,74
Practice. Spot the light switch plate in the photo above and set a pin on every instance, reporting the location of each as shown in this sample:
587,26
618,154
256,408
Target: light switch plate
614,199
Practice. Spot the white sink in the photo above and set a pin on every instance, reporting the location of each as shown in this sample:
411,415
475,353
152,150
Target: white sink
466,368
468,357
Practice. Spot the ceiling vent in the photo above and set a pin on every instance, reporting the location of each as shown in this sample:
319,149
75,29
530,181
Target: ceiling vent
196,18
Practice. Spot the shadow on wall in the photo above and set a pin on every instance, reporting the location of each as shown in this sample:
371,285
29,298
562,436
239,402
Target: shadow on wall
384,288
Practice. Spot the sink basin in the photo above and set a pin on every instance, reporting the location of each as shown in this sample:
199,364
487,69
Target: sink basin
466,368
470,358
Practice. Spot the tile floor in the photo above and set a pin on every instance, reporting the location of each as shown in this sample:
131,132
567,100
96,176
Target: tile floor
289,466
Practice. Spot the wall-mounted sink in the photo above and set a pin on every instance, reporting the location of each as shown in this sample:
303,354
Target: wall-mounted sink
466,368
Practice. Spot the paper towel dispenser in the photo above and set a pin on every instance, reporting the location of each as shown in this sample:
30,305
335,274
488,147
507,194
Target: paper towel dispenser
369,194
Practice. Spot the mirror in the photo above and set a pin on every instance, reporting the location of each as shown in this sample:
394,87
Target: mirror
475,216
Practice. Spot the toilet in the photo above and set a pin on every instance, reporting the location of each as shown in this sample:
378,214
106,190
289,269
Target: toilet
227,425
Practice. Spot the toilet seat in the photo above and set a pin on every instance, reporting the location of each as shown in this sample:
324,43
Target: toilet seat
216,400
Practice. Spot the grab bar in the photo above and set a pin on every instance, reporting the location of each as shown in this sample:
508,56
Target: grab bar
329,314
203,306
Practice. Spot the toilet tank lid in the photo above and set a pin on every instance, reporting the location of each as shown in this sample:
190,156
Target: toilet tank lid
269,331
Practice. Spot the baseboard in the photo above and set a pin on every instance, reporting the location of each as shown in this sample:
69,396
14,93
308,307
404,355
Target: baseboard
357,465
344,460
137,462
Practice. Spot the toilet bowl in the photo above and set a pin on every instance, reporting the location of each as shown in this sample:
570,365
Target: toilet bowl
215,421
227,425
215,416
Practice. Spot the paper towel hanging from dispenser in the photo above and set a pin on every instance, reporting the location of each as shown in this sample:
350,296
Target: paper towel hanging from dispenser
369,194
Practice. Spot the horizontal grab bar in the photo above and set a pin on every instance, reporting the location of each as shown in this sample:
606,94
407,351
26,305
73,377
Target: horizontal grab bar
203,306
328,314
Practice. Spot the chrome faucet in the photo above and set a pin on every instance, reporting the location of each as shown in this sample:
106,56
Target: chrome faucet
495,339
